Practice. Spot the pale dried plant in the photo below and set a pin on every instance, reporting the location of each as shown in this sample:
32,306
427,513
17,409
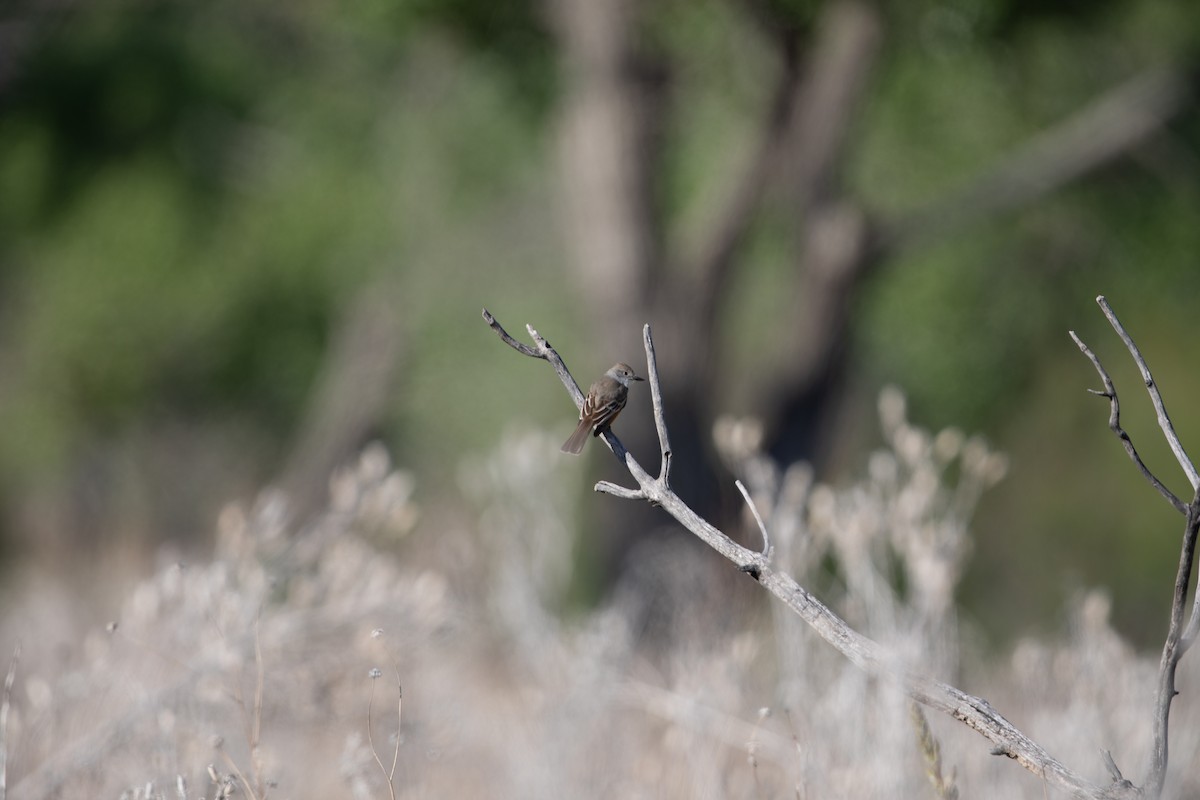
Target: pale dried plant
896,541
271,644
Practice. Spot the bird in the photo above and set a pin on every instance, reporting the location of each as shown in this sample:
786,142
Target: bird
603,403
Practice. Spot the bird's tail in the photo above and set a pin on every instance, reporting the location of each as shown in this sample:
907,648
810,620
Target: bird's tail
578,439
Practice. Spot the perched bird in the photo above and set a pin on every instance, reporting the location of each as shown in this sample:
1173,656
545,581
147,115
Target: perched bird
603,403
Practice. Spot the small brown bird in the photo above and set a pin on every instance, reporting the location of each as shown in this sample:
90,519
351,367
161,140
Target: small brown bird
603,403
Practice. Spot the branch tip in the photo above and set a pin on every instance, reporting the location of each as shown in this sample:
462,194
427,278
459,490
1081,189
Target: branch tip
757,518
607,487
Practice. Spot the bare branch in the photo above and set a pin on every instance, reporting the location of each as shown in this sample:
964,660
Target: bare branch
1114,423
1178,640
607,487
1173,650
660,419
1110,764
1160,409
547,353
520,347
863,652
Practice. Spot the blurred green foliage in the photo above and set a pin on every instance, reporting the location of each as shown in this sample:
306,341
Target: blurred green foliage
191,193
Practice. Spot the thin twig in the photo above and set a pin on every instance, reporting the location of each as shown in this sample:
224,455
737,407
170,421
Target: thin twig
371,738
1160,409
664,471
616,490
1110,764
1114,423
863,652
762,527
399,727
508,340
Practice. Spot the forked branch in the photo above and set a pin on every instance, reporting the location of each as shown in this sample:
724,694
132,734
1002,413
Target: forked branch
862,651
1178,638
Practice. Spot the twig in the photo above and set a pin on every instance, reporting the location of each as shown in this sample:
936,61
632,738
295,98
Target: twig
508,340
1114,423
4,708
1160,409
863,652
374,674
547,353
604,487
766,550
664,470
1114,771
399,724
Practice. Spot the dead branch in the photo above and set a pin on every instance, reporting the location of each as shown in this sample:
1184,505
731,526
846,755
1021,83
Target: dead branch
1164,421
1178,639
860,650
1114,423
714,255
1173,650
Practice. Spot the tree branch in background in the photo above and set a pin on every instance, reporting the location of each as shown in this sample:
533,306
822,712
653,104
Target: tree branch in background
1112,125
849,34
833,239
711,259
862,651
1178,640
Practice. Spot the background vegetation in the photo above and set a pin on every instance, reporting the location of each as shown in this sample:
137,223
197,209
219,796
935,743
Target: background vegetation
208,212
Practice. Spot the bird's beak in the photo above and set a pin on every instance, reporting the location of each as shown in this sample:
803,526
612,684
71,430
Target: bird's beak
636,378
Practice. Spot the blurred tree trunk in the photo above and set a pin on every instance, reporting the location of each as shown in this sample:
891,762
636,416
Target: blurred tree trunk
617,98
616,102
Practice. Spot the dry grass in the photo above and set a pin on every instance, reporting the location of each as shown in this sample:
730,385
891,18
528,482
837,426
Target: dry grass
252,674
